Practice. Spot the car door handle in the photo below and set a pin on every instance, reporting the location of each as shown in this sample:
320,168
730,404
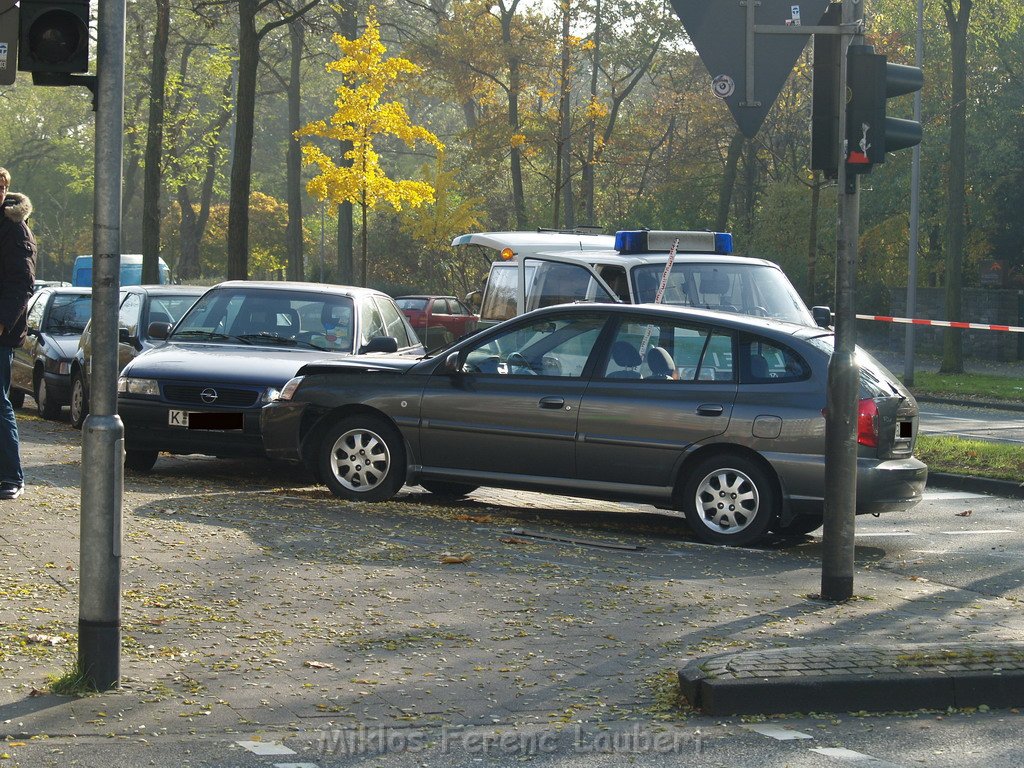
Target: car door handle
552,402
710,409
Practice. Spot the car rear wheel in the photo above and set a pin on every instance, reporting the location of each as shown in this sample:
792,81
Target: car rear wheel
729,500
79,401
451,490
140,461
799,526
45,405
361,458
17,398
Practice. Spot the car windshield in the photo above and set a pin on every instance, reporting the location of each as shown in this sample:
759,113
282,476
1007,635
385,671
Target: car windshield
169,309
748,289
68,313
240,315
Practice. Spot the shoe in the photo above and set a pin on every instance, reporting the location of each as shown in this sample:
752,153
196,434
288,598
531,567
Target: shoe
11,490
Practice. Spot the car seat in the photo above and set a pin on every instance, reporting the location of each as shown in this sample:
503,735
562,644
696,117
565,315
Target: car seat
627,358
759,368
661,364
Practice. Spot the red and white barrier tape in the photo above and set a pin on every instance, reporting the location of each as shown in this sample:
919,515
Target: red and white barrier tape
943,323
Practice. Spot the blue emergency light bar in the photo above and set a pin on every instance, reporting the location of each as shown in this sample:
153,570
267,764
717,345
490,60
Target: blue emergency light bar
660,241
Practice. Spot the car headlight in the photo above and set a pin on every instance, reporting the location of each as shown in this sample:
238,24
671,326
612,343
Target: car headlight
270,394
126,385
289,389
64,367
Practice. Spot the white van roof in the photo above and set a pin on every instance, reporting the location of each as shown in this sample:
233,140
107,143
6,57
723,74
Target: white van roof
529,243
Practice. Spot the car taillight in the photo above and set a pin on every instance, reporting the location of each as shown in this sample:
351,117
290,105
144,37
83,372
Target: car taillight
867,423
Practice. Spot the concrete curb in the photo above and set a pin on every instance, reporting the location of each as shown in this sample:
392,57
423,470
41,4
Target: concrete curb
1006,488
854,678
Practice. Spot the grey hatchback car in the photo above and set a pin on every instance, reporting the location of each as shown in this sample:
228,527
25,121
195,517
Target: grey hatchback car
713,414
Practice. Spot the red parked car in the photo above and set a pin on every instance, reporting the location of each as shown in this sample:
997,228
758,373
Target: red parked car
441,318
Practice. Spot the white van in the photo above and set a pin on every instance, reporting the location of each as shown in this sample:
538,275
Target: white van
131,270
538,269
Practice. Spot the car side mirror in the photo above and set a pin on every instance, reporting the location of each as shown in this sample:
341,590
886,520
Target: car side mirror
159,330
383,344
32,332
823,316
451,363
123,336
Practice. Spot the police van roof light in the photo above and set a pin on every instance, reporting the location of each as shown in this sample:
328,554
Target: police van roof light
660,241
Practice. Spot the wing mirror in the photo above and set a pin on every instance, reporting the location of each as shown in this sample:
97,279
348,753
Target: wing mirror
383,344
451,363
159,330
823,316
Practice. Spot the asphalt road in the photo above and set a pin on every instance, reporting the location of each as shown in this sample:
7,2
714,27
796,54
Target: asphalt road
237,574
972,422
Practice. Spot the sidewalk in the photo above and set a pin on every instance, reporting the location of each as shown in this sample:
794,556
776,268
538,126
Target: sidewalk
275,611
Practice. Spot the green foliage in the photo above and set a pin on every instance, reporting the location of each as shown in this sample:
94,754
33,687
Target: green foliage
954,455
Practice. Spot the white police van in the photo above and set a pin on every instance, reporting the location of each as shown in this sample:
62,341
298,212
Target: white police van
539,269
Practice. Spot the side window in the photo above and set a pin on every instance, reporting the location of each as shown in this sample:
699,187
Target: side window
394,323
458,308
35,311
559,347
499,301
128,314
767,362
562,284
669,351
372,324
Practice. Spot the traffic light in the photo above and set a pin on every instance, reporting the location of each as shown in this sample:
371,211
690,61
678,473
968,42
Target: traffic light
871,81
54,36
824,97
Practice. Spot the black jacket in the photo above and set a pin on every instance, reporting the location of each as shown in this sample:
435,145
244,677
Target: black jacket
17,267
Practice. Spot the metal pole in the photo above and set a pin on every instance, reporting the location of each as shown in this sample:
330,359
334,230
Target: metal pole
915,210
99,609
843,375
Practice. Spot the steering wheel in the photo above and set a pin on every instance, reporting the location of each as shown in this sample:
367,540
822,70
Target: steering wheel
517,360
761,311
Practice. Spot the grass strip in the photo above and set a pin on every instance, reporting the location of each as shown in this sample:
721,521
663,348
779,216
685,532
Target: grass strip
1003,461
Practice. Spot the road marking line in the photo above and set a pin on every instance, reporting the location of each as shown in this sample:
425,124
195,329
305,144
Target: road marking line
266,747
296,765
974,533
884,533
849,755
777,733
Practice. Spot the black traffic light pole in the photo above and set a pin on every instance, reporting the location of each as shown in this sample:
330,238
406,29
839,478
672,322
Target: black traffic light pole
837,556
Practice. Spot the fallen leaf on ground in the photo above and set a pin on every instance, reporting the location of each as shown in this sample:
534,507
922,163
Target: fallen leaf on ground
965,513
474,518
318,665
447,559
513,540
47,639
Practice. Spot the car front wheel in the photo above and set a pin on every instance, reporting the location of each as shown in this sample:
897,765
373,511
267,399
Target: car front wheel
45,405
729,500
79,401
362,458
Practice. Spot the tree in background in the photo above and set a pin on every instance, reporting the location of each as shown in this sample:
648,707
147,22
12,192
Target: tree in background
361,117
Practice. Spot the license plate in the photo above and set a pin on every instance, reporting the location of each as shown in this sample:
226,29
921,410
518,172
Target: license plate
205,420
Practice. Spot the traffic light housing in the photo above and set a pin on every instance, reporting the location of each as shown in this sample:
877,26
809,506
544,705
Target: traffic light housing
870,133
54,36
825,90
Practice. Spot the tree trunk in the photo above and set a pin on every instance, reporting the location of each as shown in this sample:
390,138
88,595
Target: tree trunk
154,147
241,156
952,344
348,26
293,231
514,85
587,176
725,190
564,135
189,235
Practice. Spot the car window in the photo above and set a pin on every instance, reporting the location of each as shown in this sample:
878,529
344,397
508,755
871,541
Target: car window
68,313
370,321
417,304
499,302
768,362
668,350
169,309
458,308
557,283
549,347
128,314
36,308
395,323
749,289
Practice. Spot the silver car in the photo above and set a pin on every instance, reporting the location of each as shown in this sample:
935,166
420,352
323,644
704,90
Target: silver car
714,414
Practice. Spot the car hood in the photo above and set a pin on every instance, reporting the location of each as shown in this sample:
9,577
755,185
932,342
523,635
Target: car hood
223,363
362,364
65,346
